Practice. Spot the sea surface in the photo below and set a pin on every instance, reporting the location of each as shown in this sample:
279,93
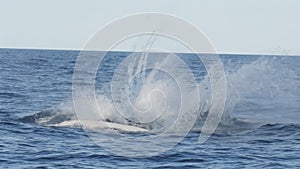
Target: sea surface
259,129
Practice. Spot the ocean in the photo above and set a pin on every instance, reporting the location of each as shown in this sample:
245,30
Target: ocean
260,127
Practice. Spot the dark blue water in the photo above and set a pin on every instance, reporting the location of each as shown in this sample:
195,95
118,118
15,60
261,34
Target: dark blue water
263,129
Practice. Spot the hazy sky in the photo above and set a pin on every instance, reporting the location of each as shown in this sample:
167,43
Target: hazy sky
233,26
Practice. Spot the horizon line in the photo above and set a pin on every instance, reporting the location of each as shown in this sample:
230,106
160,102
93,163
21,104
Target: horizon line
181,52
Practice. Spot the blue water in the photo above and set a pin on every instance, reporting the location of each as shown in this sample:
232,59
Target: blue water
262,128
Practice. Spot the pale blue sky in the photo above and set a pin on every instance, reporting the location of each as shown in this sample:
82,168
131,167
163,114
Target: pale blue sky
233,26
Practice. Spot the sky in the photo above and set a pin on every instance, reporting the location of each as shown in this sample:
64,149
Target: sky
233,26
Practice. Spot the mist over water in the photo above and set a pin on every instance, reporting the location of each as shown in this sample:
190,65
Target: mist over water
267,90
260,89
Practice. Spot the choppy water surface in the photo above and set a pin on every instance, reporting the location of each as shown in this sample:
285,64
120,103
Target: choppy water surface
260,127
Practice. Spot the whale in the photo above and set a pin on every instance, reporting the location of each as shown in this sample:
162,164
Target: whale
98,124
